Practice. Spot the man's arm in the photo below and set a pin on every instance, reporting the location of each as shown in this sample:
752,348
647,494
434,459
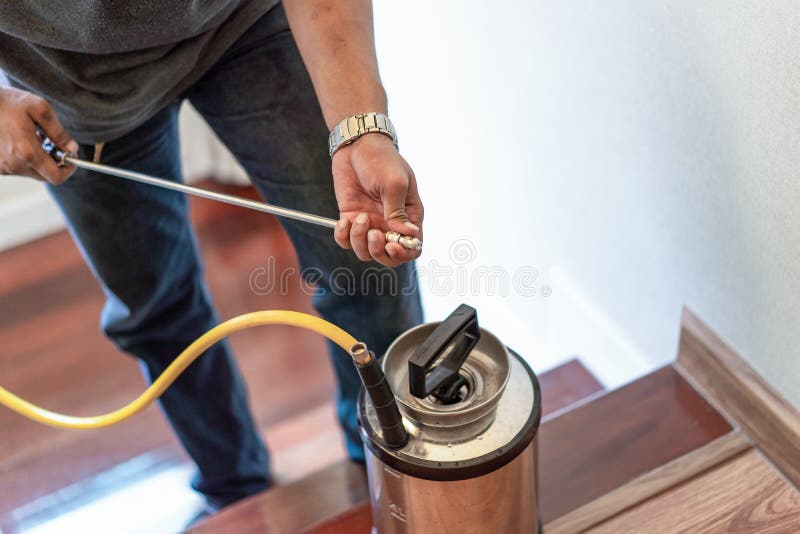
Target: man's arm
375,188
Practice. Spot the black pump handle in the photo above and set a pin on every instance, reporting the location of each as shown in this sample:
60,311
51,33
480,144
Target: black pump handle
460,330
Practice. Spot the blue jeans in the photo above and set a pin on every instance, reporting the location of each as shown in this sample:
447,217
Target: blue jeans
138,241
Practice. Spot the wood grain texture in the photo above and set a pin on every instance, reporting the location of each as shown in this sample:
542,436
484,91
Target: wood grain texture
605,444
745,494
356,520
295,506
650,484
741,394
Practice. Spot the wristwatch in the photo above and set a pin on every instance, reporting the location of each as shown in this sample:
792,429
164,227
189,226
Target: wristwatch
355,126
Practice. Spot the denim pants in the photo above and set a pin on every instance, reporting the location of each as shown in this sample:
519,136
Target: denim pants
138,241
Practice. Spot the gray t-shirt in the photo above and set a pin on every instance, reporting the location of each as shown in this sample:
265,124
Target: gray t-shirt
108,66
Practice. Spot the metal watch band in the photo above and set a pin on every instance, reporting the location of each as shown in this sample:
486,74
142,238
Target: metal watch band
355,126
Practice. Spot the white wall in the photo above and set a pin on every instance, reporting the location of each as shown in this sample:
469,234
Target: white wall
641,155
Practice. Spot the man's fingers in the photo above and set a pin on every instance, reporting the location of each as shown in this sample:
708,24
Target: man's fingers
27,171
358,237
45,117
414,207
49,170
27,119
341,233
29,159
394,200
370,243
376,241
399,254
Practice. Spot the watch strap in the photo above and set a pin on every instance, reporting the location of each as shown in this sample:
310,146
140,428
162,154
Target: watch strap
355,126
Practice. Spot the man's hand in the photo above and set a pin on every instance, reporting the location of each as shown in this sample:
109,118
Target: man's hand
21,113
376,191
375,187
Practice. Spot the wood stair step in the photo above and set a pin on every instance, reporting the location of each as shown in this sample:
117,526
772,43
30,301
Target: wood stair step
340,491
293,506
602,445
566,385
744,494
617,437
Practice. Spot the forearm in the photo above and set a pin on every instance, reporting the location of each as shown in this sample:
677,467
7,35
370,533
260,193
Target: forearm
336,40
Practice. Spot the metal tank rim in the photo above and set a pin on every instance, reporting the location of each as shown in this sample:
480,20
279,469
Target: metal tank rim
455,470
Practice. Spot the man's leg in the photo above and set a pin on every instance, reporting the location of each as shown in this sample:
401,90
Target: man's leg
138,241
260,101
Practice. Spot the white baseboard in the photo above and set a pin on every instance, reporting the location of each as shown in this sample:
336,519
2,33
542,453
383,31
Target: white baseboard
33,214
516,332
579,328
27,212
554,329
27,215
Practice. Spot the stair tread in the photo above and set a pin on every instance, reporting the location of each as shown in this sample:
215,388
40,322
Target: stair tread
601,445
583,453
311,498
565,385
289,508
608,442
744,494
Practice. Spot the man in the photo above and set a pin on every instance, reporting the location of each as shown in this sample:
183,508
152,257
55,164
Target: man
105,80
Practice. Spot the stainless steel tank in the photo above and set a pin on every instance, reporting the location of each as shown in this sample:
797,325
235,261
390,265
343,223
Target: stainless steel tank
472,410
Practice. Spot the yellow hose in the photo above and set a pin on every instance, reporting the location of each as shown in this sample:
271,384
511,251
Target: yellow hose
171,373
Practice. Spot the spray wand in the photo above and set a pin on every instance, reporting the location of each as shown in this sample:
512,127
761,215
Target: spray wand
65,158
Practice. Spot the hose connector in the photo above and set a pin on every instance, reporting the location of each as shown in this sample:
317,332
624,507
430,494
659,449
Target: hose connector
408,242
380,393
360,354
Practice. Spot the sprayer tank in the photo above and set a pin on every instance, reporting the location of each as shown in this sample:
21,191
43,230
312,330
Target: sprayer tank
469,464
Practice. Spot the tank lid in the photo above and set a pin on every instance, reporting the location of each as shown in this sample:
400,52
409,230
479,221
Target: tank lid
512,429
448,377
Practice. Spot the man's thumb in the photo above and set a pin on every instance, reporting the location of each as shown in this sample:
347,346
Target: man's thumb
394,211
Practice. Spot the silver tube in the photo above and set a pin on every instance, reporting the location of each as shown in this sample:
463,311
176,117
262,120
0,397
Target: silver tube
196,191
63,158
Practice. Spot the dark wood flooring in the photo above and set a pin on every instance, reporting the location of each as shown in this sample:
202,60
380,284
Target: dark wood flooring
604,444
54,355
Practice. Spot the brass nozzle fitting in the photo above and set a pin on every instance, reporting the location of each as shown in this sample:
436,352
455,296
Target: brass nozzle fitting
360,354
411,243
377,388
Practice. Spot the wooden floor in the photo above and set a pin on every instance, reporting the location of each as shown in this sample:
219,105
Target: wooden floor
310,503
54,480
652,456
744,494
54,354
